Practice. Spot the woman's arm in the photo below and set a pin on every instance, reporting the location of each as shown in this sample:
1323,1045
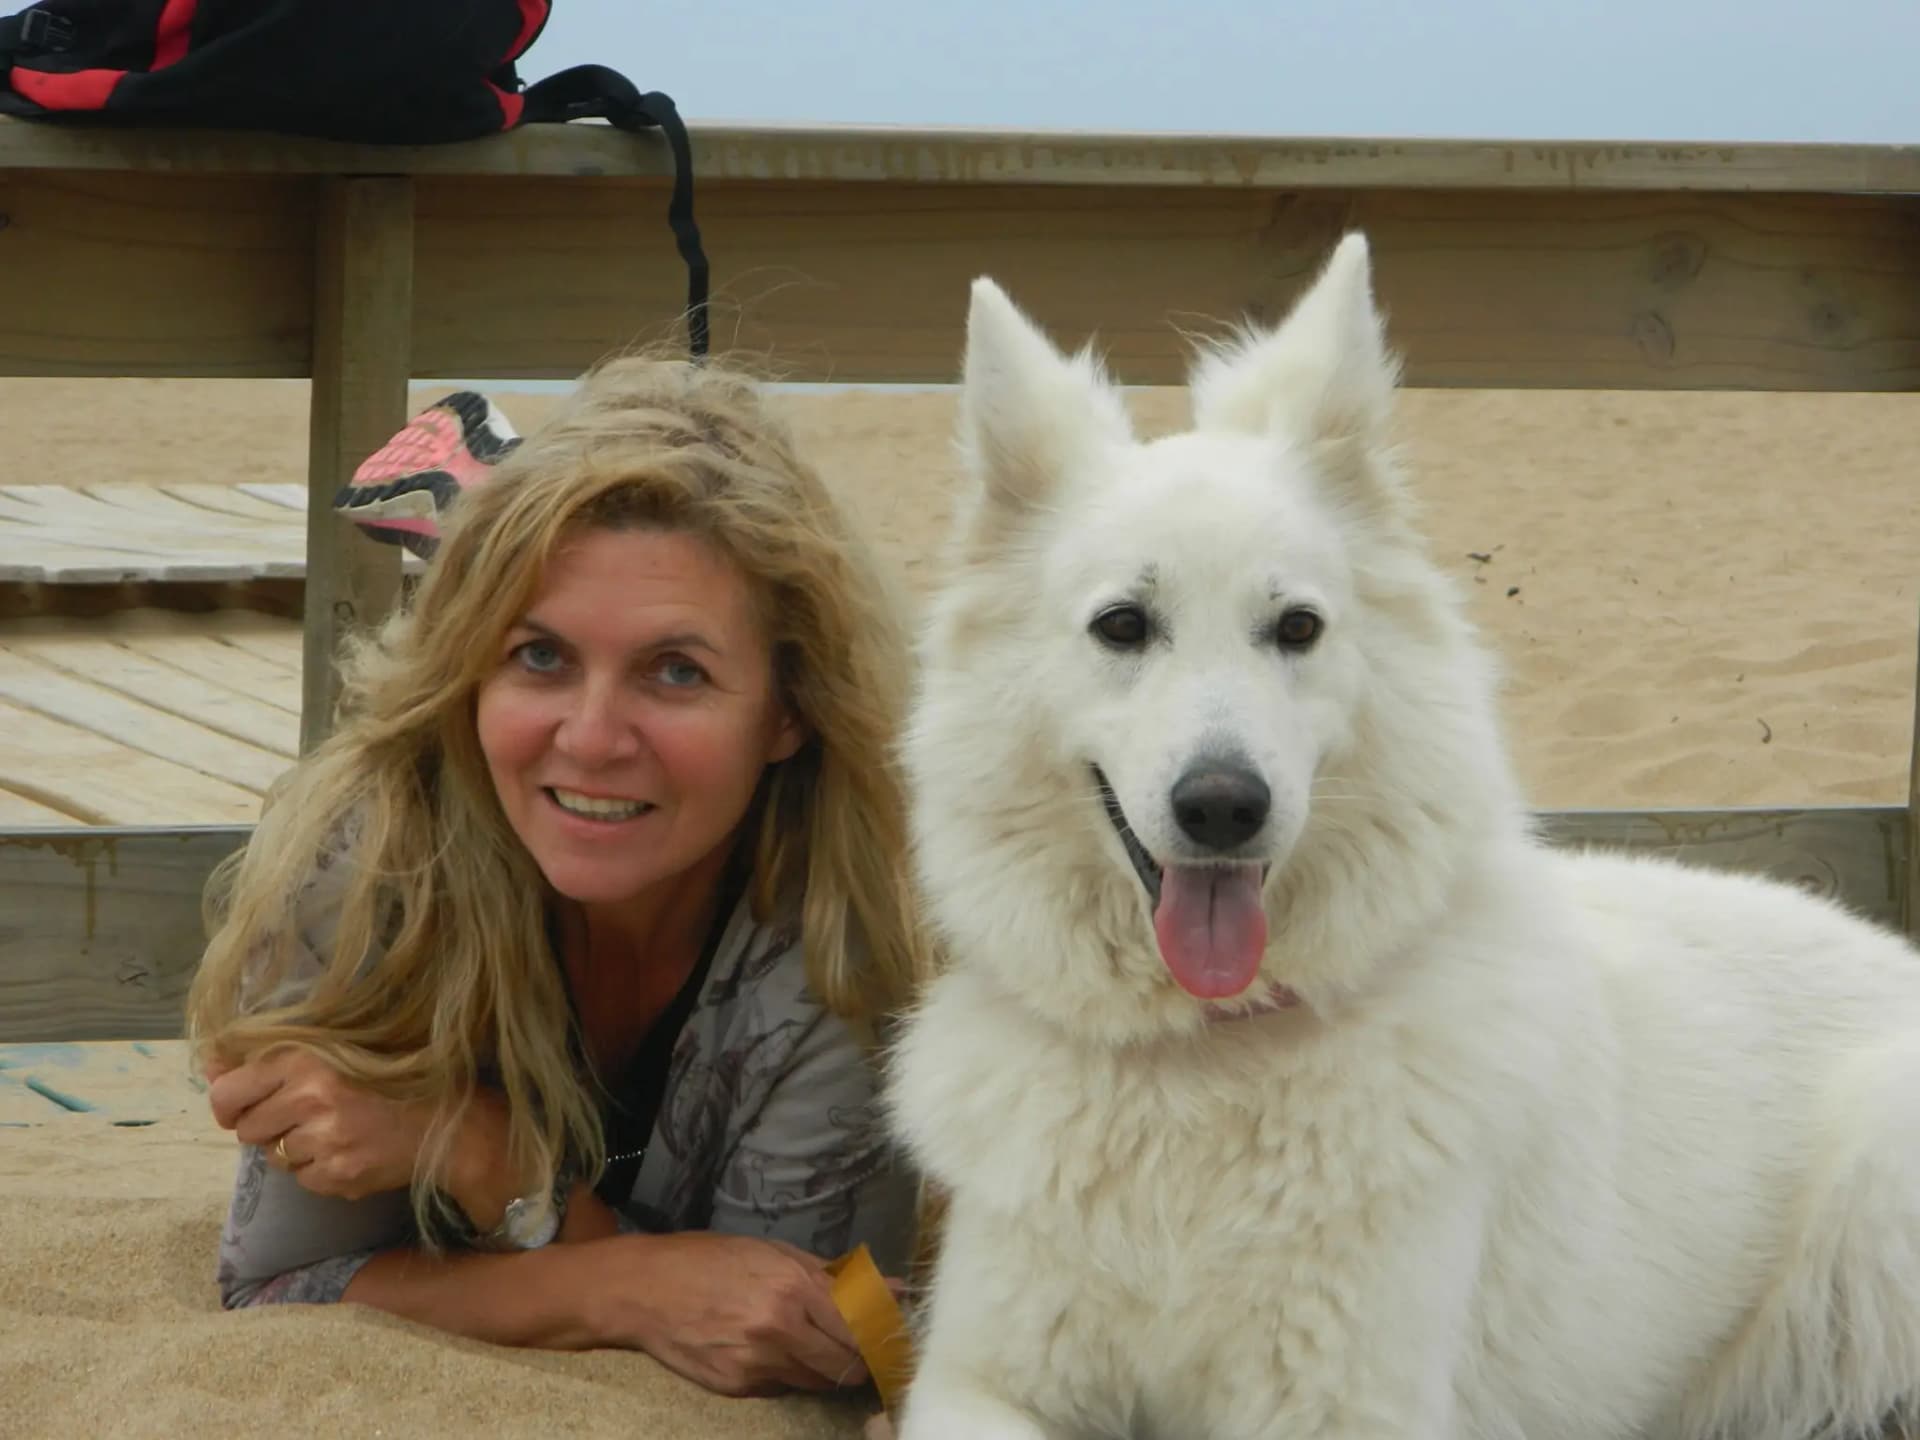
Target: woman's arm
548,1298
292,1235
741,1316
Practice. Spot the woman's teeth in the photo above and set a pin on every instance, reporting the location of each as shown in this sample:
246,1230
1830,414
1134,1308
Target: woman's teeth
594,808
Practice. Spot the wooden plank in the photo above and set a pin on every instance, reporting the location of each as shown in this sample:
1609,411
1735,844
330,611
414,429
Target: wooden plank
1857,854
278,496
17,812
265,638
64,559
106,904
112,534
1482,289
101,930
71,768
205,658
60,695
835,280
104,274
935,154
1911,915
266,718
237,501
362,345
132,499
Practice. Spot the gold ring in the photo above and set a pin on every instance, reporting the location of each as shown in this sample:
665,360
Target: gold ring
280,1149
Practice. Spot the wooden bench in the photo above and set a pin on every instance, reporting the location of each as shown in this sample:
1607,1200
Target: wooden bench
843,254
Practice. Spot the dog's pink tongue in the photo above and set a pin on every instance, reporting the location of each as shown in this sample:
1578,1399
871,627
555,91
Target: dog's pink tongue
1211,928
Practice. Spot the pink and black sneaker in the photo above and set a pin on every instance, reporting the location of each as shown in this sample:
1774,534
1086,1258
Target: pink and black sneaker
400,492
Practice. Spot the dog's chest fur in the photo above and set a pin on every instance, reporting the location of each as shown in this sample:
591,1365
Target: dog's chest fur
1248,1170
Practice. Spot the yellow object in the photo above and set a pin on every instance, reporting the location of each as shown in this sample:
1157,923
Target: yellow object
873,1315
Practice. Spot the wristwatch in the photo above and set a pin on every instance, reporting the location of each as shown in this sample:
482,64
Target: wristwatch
530,1221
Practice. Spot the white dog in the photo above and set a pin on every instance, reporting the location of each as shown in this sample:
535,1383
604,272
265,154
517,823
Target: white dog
1283,1083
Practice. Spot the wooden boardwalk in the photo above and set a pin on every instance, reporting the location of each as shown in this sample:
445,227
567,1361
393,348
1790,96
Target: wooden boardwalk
118,534
145,717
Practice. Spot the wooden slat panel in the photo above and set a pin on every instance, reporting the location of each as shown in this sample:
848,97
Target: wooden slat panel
237,502
98,929
154,275
532,278
31,684
110,534
242,695
277,646
869,283
17,812
772,151
70,767
362,341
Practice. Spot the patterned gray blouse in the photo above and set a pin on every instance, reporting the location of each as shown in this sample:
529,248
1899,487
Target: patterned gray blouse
769,1125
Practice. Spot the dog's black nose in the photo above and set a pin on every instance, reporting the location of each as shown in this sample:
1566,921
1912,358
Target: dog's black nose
1221,806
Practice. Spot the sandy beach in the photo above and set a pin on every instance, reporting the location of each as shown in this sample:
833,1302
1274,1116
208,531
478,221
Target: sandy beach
1699,600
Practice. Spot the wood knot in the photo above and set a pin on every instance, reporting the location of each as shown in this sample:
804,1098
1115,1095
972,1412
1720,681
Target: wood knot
1653,336
1827,320
1676,260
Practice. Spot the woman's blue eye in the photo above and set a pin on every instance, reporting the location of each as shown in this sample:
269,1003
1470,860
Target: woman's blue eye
681,673
539,656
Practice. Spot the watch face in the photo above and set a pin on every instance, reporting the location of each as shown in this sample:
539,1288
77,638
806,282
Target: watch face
528,1227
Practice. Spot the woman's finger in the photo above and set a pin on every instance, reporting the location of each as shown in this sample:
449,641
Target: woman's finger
283,1152
267,1121
827,1346
239,1090
826,1317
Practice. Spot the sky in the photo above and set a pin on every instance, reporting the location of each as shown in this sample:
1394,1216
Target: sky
1684,70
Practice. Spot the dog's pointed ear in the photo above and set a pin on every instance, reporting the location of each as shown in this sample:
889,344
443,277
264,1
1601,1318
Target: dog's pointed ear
1027,412
1324,374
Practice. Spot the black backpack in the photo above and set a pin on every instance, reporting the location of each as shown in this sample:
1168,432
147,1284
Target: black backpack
399,72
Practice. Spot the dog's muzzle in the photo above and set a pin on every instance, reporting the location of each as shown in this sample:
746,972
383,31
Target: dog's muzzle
1144,865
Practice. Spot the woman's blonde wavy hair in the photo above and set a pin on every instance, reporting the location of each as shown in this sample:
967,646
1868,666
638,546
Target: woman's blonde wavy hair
440,962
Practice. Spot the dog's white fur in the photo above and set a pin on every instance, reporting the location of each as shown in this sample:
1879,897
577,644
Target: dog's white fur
1556,1146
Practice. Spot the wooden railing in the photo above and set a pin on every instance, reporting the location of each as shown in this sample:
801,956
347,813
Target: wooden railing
844,254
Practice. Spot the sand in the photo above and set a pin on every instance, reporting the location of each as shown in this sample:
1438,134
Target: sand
109,1325
1699,599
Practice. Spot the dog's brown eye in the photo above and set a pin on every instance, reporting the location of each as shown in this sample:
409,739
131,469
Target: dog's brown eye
1298,629
1124,627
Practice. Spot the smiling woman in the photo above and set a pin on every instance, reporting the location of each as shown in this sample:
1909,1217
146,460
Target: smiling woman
545,998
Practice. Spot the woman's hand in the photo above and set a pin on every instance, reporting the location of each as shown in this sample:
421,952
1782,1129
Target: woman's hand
332,1136
737,1314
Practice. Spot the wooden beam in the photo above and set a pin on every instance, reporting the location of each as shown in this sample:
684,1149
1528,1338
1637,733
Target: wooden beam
100,928
106,274
954,154
1855,853
1911,909
362,349
1482,289
833,280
